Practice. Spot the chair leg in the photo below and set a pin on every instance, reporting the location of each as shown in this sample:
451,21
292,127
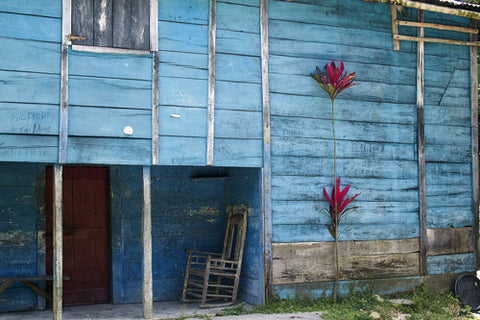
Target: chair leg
205,282
185,283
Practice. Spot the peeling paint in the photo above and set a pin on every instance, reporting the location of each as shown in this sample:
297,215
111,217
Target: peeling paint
16,237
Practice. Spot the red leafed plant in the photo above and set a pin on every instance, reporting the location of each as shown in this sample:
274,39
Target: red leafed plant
333,81
338,206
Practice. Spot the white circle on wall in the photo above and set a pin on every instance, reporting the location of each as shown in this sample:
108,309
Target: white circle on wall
128,130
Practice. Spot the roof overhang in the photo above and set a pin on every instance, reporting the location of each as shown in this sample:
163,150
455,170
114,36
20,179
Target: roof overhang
447,7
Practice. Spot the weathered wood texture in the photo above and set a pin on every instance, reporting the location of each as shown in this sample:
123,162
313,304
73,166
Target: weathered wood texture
324,289
191,222
183,84
147,274
449,241
112,23
57,227
19,232
314,261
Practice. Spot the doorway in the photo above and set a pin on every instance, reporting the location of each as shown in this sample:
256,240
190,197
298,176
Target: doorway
86,239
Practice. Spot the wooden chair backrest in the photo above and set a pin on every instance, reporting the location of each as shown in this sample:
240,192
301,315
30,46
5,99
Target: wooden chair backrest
235,233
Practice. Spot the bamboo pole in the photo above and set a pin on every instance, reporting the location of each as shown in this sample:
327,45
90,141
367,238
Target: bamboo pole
147,282
57,242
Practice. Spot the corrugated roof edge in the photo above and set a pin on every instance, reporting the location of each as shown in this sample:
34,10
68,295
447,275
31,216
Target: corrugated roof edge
453,4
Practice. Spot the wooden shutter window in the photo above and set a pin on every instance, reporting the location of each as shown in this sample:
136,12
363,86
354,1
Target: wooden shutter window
112,23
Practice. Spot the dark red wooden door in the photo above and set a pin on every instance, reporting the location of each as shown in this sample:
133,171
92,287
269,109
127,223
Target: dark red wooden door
86,253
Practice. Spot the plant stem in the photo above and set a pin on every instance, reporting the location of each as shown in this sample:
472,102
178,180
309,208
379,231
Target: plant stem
337,269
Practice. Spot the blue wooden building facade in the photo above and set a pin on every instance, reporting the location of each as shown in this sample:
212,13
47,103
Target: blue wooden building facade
216,106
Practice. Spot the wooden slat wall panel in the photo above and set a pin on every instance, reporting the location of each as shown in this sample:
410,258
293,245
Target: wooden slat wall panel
140,25
313,261
102,23
122,23
18,232
449,241
83,21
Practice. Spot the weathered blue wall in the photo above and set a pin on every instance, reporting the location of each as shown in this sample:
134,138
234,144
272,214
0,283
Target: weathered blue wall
376,145
21,249
187,213
30,80
107,92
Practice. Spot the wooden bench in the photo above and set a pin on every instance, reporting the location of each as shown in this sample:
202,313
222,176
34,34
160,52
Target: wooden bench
27,281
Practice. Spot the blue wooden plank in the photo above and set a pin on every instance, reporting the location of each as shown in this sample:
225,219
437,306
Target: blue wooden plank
238,96
311,212
314,147
325,289
455,263
107,122
181,37
346,167
235,42
238,124
17,299
449,217
238,153
228,18
29,119
194,11
438,134
317,232
252,3
449,195
109,151
350,54
103,92
50,8
311,188
448,173
449,116
26,55
183,92
29,87
237,68
348,130
447,153
368,91
22,177
182,151
28,27
183,65
188,122
28,148
110,66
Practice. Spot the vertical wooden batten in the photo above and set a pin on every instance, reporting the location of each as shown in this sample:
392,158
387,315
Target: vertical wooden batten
421,147
147,284
212,30
63,126
396,43
474,121
155,81
267,168
155,77
57,242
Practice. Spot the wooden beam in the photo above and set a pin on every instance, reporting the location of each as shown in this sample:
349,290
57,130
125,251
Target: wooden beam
449,241
303,262
63,125
155,80
109,50
396,43
435,26
211,80
154,25
57,241
147,283
267,166
474,123
432,8
437,40
421,148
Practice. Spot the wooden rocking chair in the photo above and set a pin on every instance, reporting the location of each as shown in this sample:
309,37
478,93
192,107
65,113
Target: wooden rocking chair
215,276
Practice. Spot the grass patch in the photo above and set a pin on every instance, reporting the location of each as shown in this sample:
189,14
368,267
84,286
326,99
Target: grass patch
426,305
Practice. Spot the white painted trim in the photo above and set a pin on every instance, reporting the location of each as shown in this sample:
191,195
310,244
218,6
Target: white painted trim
110,50
153,25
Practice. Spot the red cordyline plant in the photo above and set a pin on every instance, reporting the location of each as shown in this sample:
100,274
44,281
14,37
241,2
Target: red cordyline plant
333,81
